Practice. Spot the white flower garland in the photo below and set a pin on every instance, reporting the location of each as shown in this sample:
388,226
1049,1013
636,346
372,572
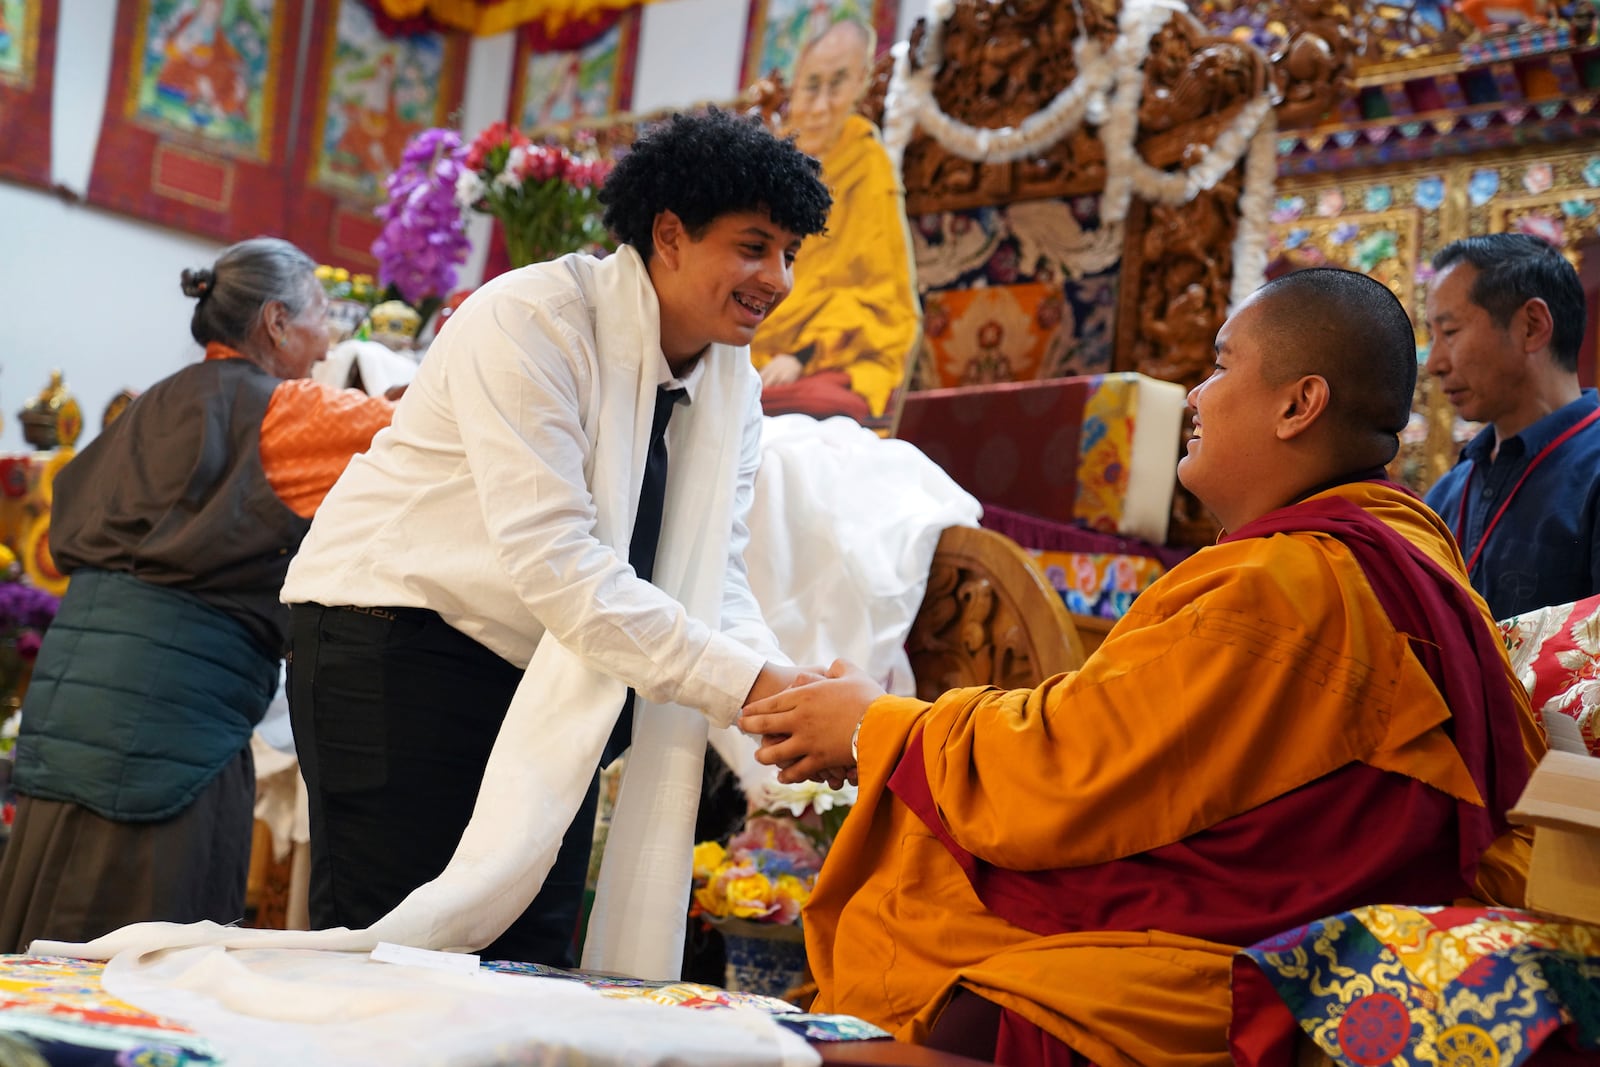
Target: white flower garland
1106,92
1255,205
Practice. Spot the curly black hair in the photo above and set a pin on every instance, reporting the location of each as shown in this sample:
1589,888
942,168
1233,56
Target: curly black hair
707,164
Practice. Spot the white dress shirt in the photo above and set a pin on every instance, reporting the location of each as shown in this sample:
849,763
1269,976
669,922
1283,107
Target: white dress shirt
476,503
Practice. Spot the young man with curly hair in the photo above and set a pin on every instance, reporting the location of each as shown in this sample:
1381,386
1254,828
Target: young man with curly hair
484,593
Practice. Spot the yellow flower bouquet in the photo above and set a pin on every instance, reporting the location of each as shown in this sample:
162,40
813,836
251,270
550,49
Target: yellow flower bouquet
766,871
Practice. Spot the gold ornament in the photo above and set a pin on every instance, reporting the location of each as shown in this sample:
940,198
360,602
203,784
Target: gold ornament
52,419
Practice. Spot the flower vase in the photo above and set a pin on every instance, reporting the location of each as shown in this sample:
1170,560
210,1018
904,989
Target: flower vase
521,249
764,958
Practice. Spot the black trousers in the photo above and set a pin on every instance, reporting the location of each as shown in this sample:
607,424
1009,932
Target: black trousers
394,714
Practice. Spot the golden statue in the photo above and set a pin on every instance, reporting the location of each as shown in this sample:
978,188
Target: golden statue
52,419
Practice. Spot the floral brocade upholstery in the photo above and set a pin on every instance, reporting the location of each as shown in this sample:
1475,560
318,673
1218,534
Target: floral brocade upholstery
1405,986
1556,653
1409,987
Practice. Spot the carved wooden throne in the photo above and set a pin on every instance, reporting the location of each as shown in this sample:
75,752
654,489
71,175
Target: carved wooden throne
988,618
1004,61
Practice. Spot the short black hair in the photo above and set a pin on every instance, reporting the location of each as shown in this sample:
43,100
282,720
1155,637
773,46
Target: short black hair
1514,268
703,165
1354,332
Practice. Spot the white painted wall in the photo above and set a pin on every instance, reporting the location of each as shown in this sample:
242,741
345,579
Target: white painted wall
96,294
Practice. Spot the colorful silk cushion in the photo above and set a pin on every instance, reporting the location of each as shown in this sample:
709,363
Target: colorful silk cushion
1097,583
1556,653
1421,987
1100,451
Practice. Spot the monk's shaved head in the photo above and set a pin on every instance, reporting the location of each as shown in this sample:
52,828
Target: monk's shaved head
1350,330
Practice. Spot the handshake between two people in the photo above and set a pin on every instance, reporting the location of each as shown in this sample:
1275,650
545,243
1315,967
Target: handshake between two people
808,718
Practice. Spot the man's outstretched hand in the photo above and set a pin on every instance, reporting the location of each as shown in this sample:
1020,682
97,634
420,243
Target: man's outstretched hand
806,730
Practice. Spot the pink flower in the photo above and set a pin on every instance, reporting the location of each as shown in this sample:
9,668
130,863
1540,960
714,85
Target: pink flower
776,845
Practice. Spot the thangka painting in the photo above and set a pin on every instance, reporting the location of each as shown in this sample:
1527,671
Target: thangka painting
370,94
19,38
777,30
27,70
203,72
195,133
377,92
583,72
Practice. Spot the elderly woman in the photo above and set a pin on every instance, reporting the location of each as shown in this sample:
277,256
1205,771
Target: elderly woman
176,524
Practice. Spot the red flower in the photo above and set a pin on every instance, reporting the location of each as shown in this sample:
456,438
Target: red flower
498,135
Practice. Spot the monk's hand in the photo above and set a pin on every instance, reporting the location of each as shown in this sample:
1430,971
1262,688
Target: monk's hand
806,731
781,370
836,777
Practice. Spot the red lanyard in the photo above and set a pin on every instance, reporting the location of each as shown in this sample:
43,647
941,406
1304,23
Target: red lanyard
1466,489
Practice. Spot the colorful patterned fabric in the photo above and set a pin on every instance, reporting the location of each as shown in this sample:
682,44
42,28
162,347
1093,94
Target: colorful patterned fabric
1096,450
1556,653
1014,291
56,1009
820,1027
1099,584
1420,987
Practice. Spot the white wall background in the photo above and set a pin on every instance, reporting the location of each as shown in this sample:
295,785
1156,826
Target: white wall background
96,294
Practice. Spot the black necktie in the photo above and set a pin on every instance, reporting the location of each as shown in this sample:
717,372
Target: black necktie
642,545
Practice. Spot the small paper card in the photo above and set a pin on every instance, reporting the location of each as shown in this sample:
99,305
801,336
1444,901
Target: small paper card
457,962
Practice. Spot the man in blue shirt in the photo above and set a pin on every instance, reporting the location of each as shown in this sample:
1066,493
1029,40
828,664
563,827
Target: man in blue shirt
1506,316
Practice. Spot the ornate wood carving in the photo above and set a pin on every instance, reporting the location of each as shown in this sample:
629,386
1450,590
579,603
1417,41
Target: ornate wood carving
1315,65
1177,267
1189,74
1177,271
1005,60
988,618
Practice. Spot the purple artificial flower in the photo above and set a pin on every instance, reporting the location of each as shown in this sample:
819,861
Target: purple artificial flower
24,606
424,239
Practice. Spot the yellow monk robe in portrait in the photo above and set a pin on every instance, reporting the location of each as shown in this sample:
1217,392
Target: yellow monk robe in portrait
1288,724
852,317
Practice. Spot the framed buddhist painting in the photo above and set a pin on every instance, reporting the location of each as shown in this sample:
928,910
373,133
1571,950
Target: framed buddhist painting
207,70
27,70
195,133
370,90
776,30
375,92
581,73
19,41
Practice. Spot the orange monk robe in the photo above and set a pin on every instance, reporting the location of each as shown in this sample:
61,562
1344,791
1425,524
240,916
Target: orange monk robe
852,306
1251,669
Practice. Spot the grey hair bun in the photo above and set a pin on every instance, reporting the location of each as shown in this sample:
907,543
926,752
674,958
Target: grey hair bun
197,282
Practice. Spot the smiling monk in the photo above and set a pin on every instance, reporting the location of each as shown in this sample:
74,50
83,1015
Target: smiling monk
1312,715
